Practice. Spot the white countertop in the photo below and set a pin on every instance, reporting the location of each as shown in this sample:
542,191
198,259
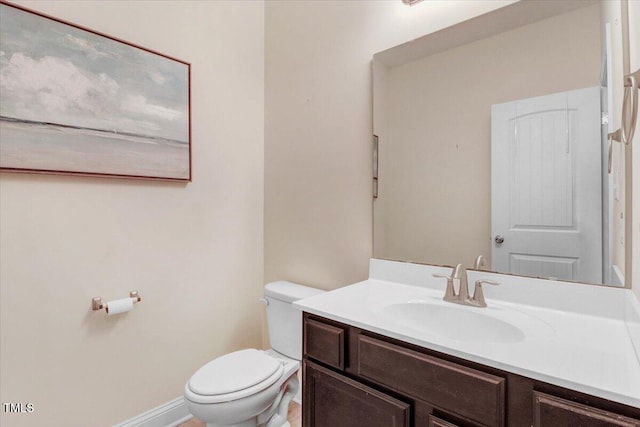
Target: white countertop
593,354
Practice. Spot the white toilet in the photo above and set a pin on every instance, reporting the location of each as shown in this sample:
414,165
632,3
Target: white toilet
253,388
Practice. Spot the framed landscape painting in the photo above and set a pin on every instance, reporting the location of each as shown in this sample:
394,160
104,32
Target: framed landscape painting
74,101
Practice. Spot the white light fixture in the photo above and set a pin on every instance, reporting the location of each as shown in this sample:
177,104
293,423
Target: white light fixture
411,2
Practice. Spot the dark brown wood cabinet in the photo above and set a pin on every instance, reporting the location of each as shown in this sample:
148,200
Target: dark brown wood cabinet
342,402
324,343
473,394
553,411
353,377
437,422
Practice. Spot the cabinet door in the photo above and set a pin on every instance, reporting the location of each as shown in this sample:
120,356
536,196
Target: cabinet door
551,411
332,400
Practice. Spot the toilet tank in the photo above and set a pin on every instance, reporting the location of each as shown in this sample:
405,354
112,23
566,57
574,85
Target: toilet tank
284,321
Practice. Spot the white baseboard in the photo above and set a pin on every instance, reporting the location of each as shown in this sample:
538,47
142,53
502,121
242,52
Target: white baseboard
170,414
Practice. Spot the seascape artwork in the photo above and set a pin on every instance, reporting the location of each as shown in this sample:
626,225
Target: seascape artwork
74,101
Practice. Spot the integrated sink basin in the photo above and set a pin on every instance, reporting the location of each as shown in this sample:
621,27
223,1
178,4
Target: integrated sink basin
430,316
452,321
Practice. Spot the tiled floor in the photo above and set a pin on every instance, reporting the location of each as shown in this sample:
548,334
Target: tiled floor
295,417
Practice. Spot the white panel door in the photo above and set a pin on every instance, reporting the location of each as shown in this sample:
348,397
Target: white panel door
546,204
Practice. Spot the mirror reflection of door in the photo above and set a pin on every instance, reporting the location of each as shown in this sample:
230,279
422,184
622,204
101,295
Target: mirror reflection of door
432,102
546,210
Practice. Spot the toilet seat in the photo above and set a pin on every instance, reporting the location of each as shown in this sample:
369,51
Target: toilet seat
233,376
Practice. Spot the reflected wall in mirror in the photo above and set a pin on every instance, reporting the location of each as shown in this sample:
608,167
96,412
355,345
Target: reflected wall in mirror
496,130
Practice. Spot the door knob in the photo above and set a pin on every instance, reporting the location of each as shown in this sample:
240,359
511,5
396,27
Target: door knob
499,239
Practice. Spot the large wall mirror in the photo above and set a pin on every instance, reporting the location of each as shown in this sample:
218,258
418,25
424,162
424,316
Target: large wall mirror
492,139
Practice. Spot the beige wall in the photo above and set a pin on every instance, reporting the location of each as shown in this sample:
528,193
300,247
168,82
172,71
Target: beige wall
435,168
193,251
318,127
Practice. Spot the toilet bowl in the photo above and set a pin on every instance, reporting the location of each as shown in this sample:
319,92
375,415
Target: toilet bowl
253,388
245,388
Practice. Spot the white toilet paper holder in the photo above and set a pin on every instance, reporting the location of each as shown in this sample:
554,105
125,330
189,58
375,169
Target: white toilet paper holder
96,303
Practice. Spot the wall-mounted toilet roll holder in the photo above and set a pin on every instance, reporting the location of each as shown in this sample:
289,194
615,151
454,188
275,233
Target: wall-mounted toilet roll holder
96,303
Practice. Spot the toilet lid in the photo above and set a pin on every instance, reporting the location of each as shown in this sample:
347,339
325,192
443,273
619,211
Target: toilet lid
233,372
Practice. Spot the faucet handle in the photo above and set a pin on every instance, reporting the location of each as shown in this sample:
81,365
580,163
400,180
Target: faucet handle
449,293
488,282
478,296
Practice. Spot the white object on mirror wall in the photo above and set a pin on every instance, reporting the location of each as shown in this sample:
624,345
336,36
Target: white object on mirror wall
634,64
616,172
630,106
610,109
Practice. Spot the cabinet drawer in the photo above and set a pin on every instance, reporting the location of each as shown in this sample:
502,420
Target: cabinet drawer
332,400
324,343
438,422
551,411
471,394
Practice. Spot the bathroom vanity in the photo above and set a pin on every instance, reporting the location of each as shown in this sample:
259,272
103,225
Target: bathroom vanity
358,378
373,356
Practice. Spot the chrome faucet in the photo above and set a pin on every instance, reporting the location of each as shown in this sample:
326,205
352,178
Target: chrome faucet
462,296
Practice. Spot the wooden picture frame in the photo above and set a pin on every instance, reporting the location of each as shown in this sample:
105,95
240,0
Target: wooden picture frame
79,102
